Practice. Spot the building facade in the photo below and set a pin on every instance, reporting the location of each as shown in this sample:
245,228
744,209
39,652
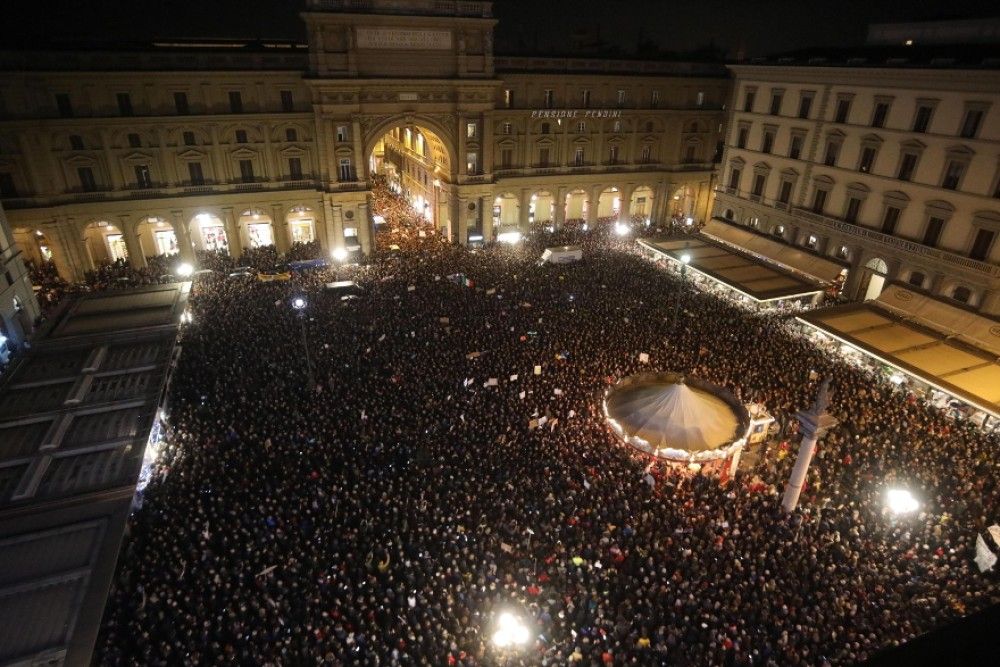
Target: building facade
176,146
18,305
893,170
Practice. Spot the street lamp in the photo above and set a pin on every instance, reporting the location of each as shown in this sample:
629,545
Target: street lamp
901,501
511,632
685,260
339,254
185,270
299,304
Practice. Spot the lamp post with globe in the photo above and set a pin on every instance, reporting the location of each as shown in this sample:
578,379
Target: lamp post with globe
299,304
685,260
511,634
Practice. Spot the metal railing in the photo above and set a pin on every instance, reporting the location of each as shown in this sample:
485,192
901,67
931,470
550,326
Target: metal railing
856,231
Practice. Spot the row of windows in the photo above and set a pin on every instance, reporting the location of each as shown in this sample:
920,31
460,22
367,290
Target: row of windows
892,210
585,99
77,143
143,176
579,158
196,174
580,127
956,163
972,120
66,108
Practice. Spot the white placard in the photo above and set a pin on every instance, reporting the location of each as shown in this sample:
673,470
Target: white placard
395,38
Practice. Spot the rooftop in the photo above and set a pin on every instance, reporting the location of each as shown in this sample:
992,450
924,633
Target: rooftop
75,416
914,56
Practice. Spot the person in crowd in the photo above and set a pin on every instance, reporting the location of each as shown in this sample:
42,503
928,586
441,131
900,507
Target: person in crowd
388,513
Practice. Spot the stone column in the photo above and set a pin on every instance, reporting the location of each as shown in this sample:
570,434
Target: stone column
360,160
281,240
625,192
232,232
62,255
559,204
935,285
486,216
78,247
989,302
461,229
593,204
136,257
334,226
854,273
814,423
364,224
184,247
454,212
523,212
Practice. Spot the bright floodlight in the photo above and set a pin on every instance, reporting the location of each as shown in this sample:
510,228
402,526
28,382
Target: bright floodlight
686,258
185,270
901,501
688,221
339,254
509,237
620,229
510,631
298,303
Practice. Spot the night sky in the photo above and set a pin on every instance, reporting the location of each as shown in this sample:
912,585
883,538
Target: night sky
758,27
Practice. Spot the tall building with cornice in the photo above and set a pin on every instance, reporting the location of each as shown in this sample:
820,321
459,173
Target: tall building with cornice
887,160
179,146
18,305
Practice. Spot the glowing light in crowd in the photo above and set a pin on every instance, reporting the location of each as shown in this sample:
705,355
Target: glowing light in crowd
689,221
509,237
901,501
510,631
185,270
298,303
378,220
620,229
686,258
339,254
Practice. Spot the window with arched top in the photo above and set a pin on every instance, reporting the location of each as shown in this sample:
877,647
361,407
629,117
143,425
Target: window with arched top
728,214
917,279
962,294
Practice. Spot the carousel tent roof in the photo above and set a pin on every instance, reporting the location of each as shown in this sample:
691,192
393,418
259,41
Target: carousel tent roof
665,411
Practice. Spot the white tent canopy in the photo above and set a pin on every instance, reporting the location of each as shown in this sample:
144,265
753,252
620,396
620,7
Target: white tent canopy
666,413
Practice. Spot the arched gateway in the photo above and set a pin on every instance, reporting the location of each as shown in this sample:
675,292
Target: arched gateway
420,116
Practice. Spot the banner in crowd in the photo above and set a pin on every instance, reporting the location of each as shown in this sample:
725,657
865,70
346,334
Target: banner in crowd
271,277
304,264
985,558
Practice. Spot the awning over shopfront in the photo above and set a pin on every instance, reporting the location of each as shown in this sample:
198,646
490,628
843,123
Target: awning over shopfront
951,320
755,278
921,340
818,268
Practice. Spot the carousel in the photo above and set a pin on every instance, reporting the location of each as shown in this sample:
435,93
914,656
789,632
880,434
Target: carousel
679,419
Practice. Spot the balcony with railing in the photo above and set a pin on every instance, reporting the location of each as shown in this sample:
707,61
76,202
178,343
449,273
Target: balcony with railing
830,224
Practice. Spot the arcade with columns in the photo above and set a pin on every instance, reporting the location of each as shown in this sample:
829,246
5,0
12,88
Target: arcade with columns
231,145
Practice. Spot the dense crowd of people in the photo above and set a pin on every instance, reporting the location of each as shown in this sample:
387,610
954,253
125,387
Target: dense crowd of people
389,513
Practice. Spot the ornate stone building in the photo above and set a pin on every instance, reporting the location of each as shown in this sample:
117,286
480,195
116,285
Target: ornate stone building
18,306
892,167
176,146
